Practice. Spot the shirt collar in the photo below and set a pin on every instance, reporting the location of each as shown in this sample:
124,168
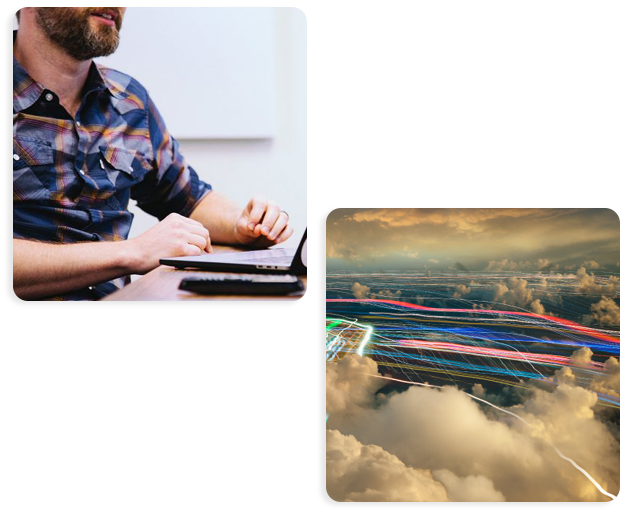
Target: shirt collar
26,91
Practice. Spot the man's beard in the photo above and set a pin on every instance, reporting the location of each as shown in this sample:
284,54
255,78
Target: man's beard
70,28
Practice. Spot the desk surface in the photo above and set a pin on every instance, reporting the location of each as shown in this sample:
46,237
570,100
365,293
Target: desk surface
162,283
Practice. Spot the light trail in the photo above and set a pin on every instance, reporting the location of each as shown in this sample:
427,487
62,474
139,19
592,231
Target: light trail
560,321
482,353
338,343
527,357
559,453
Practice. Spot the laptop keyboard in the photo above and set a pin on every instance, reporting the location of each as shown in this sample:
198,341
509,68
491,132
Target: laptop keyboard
263,278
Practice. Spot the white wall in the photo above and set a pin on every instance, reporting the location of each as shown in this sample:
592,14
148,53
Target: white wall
274,167
230,52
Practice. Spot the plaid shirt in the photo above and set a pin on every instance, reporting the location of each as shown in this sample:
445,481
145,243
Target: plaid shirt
73,177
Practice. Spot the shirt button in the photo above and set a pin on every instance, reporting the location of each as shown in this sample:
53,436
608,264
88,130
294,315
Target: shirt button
81,172
49,97
16,157
78,124
90,288
130,168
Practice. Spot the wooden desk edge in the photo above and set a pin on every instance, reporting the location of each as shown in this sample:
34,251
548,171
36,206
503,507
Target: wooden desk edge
162,284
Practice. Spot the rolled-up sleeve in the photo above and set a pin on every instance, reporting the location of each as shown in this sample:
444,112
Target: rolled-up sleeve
171,186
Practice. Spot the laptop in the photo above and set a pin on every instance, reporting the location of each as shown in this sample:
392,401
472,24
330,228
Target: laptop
268,261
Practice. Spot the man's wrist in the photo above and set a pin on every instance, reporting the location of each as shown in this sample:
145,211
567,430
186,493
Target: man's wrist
237,213
128,256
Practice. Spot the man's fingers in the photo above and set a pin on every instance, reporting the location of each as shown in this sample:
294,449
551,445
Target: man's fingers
199,230
199,233
191,250
256,207
262,223
278,227
285,235
269,219
201,242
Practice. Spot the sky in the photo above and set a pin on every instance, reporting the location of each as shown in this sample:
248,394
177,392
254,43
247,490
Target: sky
559,240
474,438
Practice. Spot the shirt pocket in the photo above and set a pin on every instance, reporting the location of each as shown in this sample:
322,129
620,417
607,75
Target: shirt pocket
124,168
33,169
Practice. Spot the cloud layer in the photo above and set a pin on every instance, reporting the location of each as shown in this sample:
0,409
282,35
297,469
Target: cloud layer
497,239
476,451
588,283
357,472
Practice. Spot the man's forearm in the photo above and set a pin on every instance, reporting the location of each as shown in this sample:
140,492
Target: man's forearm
46,269
218,214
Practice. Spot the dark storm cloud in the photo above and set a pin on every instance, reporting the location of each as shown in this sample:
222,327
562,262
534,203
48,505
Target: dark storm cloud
576,253
548,267
409,238
342,214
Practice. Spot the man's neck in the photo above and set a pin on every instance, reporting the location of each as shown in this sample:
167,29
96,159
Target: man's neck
51,66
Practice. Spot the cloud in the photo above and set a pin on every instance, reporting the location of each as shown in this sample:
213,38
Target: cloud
608,384
459,266
434,261
360,291
471,236
338,250
488,452
516,293
461,290
542,406
350,385
581,356
503,264
537,307
388,294
478,390
545,265
606,312
500,290
459,220
565,375
591,265
587,283
468,489
357,472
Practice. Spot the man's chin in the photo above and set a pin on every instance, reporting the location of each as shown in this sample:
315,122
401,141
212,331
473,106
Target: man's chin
84,55
88,56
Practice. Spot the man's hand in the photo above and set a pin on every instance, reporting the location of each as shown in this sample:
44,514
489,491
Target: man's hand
174,236
262,223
